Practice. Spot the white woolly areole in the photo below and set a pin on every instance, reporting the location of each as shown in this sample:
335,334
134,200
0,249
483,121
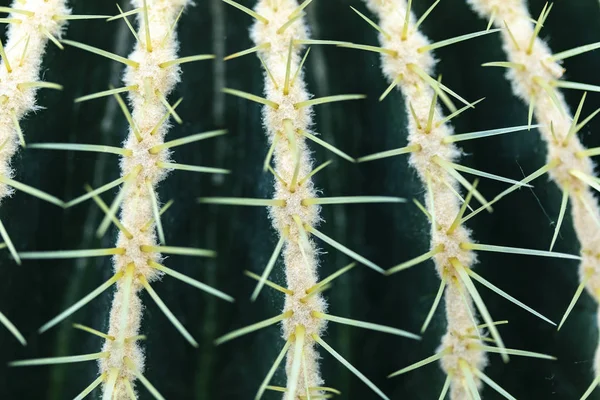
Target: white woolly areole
300,275
391,15
148,110
25,46
539,66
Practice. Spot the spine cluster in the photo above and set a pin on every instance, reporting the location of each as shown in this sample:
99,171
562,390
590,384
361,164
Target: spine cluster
31,25
460,345
534,73
292,162
33,22
150,83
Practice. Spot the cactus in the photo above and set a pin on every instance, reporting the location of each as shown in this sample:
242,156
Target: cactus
340,227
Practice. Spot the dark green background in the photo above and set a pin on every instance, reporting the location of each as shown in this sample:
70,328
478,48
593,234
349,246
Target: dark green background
388,234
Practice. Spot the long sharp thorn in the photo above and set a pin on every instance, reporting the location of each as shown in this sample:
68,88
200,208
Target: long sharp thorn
538,26
254,327
169,108
111,382
9,243
105,224
561,214
66,254
133,32
425,15
591,388
508,297
536,174
365,47
391,87
573,127
59,360
270,284
11,10
515,352
125,14
82,147
12,329
90,388
248,11
404,35
414,261
390,153
93,332
575,85
373,24
352,200
551,93
350,367
299,334
192,168
288,70
457,113
575,51
454,40
95,192
103,53
300,67
419,364
516,250
183,251
251,50
143,379
242,201
156,212
269,73
328,99
330,278
435,304
452,172
326,145
365,325
313,172
289,22
265,382
482,134
18,129
106,211
105,93
505,64
129,389
185,140
72,17
344,249
163,307
191,281
482,174
468,374
463,208
268,269
31,191
573,301
5,58
128,117
89,297
468,284
446,387
147,27
299,9
251,97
